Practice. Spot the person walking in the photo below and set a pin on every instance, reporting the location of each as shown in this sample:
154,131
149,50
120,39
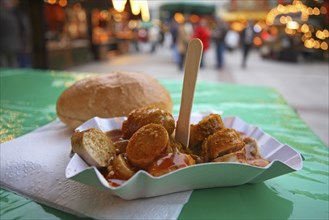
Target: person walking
247,36
202,32
10,41
219,35
154,33
173,29
182,40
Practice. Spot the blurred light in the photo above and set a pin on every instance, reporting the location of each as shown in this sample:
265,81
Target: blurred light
104,14
309,11
257,28
237,26
288,31
117,17
281,8
283,20
296,6
51,2
135,9
292,9
324,46
316,44
194,18
323,10
62,3
292,25
304,17
309,43
316,11
144,10
119,5
265,35
308,34
257,41
304,28
262,25
132,24
179,18
271,16
326,33
319,34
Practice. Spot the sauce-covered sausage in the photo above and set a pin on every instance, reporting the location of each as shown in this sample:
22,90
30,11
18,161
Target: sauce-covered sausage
143,116
147,144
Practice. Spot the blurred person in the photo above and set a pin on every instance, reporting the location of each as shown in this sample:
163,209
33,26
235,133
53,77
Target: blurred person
134,40
232,40
189,28
154,34
10,41
219,34
173,31
247,36
173,28
25,33
202,32
162,34
182,40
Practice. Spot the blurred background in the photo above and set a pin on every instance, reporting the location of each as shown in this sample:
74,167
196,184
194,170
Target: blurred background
277,43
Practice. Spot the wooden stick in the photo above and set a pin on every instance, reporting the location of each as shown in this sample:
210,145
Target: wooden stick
192,64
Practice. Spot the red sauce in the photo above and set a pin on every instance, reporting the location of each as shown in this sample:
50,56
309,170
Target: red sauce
168,163
115,135
115,182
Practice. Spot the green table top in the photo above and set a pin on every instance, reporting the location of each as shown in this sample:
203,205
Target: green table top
28,100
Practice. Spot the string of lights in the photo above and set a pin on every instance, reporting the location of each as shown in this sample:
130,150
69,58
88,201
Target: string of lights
312,36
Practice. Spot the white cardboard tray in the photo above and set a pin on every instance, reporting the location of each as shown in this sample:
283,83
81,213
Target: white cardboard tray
284,159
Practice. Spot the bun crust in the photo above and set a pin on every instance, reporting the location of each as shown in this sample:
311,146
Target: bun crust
110,95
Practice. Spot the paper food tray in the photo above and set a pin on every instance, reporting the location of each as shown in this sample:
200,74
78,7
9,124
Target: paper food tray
284,159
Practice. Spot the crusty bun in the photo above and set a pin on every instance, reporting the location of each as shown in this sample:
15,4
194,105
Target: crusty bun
110,95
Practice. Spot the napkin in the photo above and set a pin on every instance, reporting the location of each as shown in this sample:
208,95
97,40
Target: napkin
34,166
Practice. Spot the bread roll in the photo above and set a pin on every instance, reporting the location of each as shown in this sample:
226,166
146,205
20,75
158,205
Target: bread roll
110,95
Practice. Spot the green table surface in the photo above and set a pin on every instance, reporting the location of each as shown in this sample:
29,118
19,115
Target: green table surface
28,100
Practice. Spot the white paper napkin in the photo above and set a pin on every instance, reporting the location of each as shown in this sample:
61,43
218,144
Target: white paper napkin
34,166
